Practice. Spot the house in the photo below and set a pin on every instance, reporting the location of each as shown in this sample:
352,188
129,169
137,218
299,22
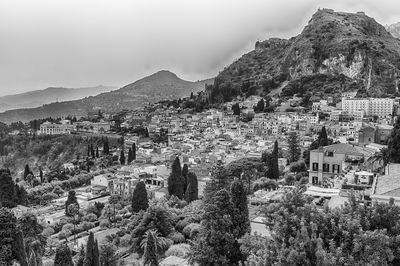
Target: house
378,134
101,184
329,161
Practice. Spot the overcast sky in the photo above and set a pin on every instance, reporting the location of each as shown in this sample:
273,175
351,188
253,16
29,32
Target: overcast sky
78,43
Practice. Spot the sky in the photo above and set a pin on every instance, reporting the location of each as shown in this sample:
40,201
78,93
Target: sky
80,43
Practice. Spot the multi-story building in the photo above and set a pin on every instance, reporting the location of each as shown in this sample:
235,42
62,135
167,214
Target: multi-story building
64,127
380,107
329,161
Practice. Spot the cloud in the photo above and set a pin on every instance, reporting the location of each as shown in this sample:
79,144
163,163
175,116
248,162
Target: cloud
82,43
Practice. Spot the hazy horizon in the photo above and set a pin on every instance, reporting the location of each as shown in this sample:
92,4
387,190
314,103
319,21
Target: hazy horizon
86,43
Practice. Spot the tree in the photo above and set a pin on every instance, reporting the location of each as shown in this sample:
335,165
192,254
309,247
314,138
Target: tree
63,256
81,256
27,171
41,175
106,149
185,170
88,150
97,152
260,106
114,199
7,190
219,181
192,190
134,151
91,258
216,243
273,167
294,147
71,200
130,156
73,211
34,241
122,157
139,197
175,180
152,244
11,241
236,109
240,213
394,143
108,256
191,95
21,195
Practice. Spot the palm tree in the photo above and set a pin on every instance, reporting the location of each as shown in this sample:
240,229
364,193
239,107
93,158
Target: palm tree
152,244
381,158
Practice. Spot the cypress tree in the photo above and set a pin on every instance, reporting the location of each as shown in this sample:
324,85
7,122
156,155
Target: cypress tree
192,190
185,170
41,175
71,200
63,256
8,231
97,152
96,255
134,151
240,214
26,171
122,157
92,151
130,156
273,167
88,150
7,190
106,149
175,180
139,197
89,257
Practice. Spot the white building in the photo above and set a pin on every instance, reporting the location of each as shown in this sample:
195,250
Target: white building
371,107
65,127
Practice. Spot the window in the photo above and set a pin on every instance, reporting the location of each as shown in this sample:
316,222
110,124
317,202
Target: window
325,167
315,166
335,168
329,153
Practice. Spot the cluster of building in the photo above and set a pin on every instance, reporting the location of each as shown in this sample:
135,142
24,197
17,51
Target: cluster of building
67,127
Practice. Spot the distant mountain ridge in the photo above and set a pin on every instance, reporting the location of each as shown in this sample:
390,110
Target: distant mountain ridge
38,98
153,88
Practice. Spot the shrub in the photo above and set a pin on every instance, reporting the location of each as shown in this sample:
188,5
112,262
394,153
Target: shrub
68,227
91,217
191,230
177,237
125,241
48,231
64,234
104,224
179,250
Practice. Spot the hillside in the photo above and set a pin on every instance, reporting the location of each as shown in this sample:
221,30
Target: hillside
336,51
153,88
53,94
394,29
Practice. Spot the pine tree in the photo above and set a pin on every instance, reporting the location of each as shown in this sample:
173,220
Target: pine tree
273,167
394,143
192,190
139,198
71,200
240,214
219,181
7,190
294,147
134,151
27,171
175,180
185,170
122,157
216,243
130,156
63,256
